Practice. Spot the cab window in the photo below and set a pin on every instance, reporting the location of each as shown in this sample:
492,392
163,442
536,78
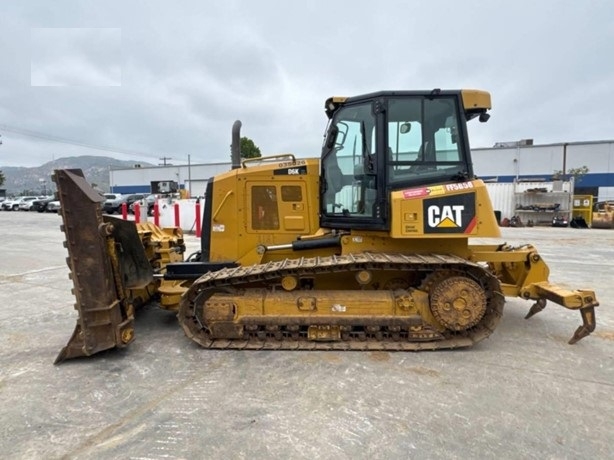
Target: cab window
265,215
349,168
423,140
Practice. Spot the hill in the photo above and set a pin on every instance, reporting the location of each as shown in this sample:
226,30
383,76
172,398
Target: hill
37,180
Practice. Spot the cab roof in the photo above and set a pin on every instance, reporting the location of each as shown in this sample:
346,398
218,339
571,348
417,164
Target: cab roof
474,101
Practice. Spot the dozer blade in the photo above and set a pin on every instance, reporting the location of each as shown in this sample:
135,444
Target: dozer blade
105,257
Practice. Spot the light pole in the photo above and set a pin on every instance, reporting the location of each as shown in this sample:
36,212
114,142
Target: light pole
189,178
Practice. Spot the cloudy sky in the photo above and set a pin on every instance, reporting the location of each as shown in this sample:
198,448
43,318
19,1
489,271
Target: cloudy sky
146,79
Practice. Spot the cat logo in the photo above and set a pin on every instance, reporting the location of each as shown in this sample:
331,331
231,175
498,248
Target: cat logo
445,216
450,214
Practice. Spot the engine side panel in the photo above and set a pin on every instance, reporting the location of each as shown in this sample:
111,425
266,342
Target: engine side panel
454,210
268,204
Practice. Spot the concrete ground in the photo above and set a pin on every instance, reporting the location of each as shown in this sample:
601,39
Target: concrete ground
523,393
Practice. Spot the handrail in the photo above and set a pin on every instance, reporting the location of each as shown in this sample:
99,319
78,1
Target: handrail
268,158
219,208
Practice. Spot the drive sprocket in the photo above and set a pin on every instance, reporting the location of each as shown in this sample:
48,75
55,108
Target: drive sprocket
458,302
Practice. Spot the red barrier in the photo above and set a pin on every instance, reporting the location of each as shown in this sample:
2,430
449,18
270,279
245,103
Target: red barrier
124,211
198,230
176,206
156,213
137,212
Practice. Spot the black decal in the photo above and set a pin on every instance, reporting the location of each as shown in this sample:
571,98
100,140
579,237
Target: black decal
450,214
299,170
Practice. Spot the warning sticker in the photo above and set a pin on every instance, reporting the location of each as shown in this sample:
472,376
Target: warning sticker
424,191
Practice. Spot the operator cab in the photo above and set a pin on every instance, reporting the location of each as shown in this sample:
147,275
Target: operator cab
392,140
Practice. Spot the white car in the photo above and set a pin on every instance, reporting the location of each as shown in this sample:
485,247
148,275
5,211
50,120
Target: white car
147,202
53,206
27,202
113,203
6,204
13,205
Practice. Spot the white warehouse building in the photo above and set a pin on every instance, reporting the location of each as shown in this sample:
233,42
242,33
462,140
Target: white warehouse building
538,163
192,178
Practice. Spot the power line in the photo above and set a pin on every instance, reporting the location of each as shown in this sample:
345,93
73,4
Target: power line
63,140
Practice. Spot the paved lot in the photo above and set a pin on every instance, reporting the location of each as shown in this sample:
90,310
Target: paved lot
523,393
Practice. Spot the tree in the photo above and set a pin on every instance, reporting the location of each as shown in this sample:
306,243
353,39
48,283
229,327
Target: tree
576,173
249,149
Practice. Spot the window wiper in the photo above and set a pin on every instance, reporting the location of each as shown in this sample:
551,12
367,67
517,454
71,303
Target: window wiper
363,134
367,161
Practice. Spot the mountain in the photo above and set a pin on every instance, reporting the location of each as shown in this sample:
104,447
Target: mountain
37,180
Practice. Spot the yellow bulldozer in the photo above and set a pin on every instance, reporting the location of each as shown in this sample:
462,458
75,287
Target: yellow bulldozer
365,248
603,215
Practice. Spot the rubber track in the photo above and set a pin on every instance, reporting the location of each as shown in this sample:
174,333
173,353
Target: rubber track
272,272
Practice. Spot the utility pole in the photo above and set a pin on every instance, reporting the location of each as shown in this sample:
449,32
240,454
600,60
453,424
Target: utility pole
164,161
189,178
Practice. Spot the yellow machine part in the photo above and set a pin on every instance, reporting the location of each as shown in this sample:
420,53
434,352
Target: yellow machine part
357,301
252,207
603,215
163,246
474,99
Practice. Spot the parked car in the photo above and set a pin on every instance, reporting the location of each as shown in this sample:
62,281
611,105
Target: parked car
41,205
130,199
148,202
13,205
53,206
112,202
27,202
7,204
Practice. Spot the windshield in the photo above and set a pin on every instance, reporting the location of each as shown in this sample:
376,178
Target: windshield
423,141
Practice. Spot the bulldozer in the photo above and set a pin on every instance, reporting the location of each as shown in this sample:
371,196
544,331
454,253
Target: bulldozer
603,215
365,248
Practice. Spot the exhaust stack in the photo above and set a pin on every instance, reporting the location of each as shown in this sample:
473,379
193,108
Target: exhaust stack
235,147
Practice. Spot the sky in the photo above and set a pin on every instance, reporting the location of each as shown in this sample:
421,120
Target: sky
143,80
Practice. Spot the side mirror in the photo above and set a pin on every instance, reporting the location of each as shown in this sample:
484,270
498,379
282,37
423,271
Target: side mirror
484,117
